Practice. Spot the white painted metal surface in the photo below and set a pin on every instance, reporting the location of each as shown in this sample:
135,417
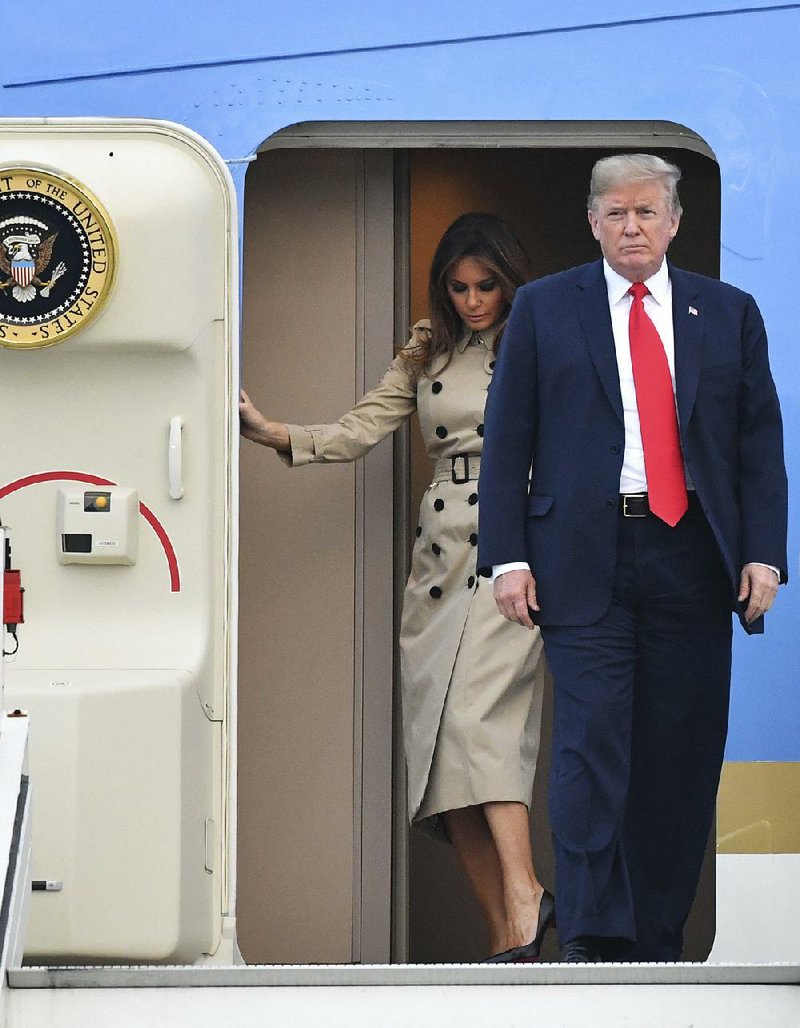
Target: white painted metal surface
361,975
758,907
668,996
3,633
15,845
127,669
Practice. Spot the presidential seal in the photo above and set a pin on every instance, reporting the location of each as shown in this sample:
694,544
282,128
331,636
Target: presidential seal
57,257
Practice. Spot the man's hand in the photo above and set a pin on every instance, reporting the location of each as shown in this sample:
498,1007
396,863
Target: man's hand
760,584
514,593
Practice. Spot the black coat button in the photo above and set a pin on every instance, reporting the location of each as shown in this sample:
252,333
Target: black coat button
479,430
470,581
611,504
441,431
473,498
436,549
419,531
436,387
492,363
435,592
473,539
438,504
616,448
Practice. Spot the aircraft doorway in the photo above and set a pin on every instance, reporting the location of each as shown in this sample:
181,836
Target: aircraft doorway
339,228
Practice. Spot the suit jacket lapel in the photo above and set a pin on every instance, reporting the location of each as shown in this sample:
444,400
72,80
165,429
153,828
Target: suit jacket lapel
596,323
688,327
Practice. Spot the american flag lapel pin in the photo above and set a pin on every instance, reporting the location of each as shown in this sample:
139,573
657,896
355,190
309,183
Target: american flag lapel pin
693,310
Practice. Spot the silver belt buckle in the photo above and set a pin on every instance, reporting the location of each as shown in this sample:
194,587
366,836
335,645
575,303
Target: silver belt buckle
632,496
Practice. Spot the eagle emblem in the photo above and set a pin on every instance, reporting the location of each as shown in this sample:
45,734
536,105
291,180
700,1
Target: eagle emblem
26,250
58,256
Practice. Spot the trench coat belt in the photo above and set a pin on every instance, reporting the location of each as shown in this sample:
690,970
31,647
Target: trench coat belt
459,469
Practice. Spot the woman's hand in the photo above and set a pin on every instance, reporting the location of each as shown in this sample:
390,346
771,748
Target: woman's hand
253,425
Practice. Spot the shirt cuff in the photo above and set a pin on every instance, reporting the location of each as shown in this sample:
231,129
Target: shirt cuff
762,565
514,565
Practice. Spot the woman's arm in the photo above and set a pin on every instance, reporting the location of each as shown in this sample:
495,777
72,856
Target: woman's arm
254,426
378,413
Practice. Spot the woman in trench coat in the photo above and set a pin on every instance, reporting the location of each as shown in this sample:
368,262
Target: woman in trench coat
471,681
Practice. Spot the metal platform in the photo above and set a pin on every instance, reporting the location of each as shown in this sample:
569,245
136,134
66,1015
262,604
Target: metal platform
457,995
255,976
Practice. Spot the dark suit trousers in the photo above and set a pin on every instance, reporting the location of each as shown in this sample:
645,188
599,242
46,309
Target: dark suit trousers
640,720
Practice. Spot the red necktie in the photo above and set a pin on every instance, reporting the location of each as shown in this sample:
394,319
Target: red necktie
663,460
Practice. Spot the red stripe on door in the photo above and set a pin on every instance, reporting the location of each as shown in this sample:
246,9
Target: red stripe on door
80,476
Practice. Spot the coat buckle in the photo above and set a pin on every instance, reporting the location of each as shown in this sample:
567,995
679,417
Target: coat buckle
458,480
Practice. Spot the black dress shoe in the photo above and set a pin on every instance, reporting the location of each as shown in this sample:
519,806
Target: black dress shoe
582,949
530,952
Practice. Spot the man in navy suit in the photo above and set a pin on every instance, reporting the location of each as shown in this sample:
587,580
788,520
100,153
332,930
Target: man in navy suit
633,494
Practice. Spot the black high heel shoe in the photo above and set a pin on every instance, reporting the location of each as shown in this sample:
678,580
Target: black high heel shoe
530,952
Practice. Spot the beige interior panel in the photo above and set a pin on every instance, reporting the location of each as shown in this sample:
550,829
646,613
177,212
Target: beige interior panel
757,809
297,619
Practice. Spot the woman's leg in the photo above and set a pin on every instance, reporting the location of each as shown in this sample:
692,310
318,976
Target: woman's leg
522,891
492,843
469,833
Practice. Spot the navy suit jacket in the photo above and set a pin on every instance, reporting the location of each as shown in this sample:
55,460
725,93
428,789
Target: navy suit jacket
554,412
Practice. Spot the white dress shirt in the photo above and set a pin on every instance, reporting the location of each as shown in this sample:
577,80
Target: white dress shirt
658,307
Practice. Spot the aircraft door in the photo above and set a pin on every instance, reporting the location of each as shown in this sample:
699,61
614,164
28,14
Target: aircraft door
118,361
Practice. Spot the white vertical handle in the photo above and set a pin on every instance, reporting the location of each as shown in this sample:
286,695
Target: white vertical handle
175,457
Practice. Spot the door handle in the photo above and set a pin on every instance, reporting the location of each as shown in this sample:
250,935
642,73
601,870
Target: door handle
175,457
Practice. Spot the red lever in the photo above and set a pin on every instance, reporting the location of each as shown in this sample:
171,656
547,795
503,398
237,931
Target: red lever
12,598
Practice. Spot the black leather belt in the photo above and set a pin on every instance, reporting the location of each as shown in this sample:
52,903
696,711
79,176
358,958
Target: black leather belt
463,468
636,505
633,505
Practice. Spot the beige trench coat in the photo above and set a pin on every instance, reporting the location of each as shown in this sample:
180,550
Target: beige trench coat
471,681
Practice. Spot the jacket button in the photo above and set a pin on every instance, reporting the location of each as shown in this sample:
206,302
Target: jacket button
616,448
611,504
